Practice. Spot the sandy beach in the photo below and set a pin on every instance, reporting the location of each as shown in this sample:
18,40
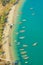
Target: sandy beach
8,31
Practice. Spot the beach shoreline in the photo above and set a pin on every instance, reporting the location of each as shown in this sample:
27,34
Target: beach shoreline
6,40
8,32
19,6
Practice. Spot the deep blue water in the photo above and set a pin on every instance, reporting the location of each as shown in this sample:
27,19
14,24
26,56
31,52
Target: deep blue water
32,23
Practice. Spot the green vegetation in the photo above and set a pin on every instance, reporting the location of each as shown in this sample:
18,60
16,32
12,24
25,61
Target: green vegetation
2,21
4,2
3,15
5,6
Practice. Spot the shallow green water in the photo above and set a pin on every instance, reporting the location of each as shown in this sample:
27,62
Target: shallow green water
28,33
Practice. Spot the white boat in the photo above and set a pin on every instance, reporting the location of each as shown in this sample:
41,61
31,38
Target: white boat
25,45
26,62
24,20
35,44
21,31
22,37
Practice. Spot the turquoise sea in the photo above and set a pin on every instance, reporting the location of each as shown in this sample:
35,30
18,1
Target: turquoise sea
28,33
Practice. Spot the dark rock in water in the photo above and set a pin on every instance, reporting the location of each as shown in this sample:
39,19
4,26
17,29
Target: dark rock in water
15,63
